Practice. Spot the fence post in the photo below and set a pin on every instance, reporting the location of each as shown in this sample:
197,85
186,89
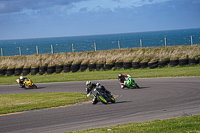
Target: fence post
37,50
141,43
119,44
1,52
191,41
20,52
165,42
52,49
72,47
95,46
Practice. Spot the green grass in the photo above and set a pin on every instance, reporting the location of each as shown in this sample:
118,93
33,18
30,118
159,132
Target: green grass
22,102
189,124
26,101
111,74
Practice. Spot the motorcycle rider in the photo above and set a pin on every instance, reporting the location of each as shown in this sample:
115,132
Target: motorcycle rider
122,79
91,86
21,80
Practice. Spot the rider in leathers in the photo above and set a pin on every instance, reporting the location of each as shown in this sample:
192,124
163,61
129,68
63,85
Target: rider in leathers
121,79
91,86
21,81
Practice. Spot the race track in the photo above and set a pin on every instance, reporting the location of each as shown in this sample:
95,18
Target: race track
158,98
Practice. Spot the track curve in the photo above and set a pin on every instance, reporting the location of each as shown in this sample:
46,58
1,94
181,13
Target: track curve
158,98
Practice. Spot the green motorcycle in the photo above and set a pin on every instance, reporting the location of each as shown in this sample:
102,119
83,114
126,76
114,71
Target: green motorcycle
130,83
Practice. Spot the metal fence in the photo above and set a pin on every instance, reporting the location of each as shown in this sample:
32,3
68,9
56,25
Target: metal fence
98,45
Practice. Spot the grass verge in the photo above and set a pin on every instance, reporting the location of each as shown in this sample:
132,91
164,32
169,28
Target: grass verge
24,102
179,71
189,124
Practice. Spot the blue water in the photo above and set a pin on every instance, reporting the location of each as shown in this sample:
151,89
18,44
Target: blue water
103,42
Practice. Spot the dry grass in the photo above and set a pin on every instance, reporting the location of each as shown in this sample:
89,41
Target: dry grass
106,56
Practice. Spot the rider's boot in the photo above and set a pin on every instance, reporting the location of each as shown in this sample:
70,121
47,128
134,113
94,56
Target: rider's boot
94,100
122,86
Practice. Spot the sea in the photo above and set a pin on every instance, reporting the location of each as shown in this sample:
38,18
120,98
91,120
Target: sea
99,42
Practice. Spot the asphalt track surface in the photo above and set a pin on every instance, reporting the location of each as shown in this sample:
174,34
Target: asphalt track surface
158,98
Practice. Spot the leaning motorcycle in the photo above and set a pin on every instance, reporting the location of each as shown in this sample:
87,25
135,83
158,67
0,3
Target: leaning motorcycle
130,83
27,84
102,96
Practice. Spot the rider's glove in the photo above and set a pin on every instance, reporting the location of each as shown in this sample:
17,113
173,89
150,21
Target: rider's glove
88,94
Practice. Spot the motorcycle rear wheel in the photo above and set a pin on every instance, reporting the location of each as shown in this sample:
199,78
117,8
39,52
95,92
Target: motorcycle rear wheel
112,100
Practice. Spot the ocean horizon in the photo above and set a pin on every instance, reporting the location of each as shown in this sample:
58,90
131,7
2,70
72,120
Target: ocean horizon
102,41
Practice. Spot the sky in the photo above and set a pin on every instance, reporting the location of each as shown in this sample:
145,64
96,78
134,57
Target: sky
21,19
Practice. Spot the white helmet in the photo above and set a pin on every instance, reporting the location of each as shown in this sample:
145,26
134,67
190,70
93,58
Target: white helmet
21,77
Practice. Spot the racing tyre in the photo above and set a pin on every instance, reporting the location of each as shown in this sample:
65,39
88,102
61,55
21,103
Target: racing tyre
112,100
34,71
162,63
108,67
67,68
144,64
137,86
127,65
135,65
91,67
25,86
75,67
192,61
183,62
118,65
173,63
42,70
103,100
2,72
83,67
26,71
59,68
153,65
10,72
34,86
51,69
18,71
99,66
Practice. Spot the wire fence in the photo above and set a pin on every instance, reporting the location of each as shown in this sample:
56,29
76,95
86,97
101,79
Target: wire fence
96,45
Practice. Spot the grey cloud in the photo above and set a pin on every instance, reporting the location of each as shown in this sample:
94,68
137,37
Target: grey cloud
11,6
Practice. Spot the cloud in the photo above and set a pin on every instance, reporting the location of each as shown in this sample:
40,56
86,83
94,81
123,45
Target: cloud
70,6
15,6
112,5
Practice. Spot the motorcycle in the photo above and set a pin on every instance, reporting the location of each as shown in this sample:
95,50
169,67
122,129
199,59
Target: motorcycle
27,84
102,96
130,83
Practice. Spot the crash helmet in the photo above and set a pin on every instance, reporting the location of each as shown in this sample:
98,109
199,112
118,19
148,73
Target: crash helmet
120,76
21,77
88,83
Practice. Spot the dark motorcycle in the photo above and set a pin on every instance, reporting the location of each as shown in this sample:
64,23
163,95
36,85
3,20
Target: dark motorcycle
102,96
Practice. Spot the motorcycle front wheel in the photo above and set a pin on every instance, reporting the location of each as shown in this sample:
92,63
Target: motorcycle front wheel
103,100
137,86
26,87
34,86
